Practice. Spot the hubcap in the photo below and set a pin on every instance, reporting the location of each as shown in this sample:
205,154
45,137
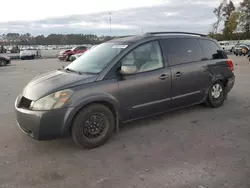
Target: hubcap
94,126
216,92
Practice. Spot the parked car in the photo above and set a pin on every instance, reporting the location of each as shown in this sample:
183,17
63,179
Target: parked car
226,45
4,60
66,54
123,80
76,56
61,54
241,49
29,54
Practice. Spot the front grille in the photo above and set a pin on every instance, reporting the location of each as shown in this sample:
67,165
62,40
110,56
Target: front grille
24,103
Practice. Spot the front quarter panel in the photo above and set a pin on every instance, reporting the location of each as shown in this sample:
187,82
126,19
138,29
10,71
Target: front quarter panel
102,91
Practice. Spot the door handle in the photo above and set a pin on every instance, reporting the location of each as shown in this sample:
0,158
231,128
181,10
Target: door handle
178,74
163,77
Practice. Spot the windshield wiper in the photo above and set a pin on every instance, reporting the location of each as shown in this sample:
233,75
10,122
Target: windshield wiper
71,70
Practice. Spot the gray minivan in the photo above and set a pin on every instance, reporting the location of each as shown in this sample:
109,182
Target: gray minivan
123,80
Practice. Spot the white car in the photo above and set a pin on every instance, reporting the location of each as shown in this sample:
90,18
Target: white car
226,45
29,54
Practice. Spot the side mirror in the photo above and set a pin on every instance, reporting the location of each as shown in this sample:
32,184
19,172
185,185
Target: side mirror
128,69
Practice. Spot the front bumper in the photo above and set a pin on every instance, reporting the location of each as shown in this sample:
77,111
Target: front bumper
61,57
42,125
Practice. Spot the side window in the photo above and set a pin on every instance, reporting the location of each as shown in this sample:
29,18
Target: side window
211,50
181,50
145,57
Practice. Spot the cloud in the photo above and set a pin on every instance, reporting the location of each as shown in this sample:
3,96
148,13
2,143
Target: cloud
171,15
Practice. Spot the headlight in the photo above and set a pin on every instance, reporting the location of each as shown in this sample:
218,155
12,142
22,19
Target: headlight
52,101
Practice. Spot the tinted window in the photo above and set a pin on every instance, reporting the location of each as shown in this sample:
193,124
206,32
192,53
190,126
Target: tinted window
182,50
146,57
211,50
81,48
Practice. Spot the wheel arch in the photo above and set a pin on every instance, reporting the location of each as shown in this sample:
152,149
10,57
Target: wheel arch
220,78
112,105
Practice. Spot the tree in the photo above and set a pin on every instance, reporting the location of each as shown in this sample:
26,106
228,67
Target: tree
233,22
227,12
54,39
219,15
245,16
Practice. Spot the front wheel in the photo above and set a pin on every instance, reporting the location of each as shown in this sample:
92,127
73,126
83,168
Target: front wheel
216,95
93,126
68,58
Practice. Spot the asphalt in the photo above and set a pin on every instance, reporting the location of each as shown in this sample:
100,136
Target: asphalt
192,147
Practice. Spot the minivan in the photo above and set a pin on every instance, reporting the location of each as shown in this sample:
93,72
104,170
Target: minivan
123,80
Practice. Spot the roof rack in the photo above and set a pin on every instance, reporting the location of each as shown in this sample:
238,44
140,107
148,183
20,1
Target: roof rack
173,32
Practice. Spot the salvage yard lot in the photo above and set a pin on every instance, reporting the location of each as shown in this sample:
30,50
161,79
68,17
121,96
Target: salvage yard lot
191,147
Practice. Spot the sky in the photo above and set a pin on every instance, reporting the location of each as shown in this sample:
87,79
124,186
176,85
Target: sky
92,16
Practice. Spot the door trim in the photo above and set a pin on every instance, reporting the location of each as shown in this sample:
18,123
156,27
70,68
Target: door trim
151,103
187,94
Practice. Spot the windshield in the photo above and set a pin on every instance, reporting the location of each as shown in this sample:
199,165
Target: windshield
96,59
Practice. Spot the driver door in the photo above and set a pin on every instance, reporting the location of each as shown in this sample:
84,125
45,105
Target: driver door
148,91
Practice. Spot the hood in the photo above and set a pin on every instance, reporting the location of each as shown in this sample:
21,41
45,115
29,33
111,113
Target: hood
64,51
54,81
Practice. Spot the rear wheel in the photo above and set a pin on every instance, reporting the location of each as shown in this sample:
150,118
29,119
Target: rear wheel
93,126
216,95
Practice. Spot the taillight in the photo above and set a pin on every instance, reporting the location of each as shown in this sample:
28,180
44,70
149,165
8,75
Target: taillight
231,65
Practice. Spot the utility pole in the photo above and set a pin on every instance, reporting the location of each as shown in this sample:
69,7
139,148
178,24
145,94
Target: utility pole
110,21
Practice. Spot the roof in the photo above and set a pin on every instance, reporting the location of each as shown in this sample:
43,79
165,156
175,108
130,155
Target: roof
135,38
129,39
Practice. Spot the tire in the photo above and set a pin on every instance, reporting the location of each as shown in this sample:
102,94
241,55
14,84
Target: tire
236,54
3,63
216,95
68,58
81,127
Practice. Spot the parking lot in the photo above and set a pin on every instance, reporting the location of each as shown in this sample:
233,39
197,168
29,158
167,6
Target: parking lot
193,147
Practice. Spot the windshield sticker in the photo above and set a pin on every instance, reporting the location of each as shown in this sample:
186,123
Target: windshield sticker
120,46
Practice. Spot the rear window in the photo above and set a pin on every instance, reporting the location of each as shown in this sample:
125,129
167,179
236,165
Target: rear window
211,50
181,50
